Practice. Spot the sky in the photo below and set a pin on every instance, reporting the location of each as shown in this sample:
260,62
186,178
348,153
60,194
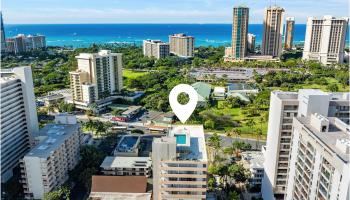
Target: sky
159,11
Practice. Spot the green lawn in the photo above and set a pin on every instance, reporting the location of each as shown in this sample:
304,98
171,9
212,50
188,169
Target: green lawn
324,87
133,74
238,115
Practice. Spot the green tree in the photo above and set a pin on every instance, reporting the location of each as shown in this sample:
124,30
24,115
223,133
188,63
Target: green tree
210,124
333,87
214,142
233,195
62,193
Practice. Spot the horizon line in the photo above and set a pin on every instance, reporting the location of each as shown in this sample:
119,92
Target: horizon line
175,23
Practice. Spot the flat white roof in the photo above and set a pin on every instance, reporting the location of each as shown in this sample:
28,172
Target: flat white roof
55,135
219,89
126,162
254,159
197,147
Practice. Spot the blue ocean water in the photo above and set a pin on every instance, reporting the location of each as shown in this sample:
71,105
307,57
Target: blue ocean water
82,35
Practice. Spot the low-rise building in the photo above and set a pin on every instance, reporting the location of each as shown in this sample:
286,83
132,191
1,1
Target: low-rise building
241,88
219,93
180,164
319,167
254,162
127,112
46,166
127,166
155,48
119,188
204,91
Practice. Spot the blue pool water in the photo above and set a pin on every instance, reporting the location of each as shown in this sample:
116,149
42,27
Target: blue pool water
180,139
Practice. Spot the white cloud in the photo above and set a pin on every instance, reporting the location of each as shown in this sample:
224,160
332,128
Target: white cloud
161,11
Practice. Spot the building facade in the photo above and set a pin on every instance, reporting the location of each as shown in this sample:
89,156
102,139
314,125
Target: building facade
127,166
180,164
46,166
289,33
325,39
254,162
22,43
238,50
181,45
272,34
284,106
155,48
98,76
19,121
2,35
251,43
319,166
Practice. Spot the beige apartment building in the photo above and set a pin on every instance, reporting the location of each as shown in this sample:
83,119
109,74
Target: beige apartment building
181,45
325,39
46,166
289,33
180,164
284,107
19,121
98,76
272,33
155,48
319,167
238,50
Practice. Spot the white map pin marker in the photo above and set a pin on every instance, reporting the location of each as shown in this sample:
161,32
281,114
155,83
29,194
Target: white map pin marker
183,112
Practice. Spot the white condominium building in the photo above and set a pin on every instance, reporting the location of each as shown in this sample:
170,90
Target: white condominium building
46,166
180,164
273,29
155,48
289,33
238,50
19,121
181,45
98,76
325,39
22,43
319,167
251,43
284,106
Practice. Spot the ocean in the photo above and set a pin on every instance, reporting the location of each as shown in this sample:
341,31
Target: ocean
83,35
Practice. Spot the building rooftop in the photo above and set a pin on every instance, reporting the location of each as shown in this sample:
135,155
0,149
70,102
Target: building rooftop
203,90
253,159
219,89
190,138
119,184
52,137
239,86
334,138
126,162
155,41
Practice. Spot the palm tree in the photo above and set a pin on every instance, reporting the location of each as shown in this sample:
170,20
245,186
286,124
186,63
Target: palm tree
214,142
258,134
235,148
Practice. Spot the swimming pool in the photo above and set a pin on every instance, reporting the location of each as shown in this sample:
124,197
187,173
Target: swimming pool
180,139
